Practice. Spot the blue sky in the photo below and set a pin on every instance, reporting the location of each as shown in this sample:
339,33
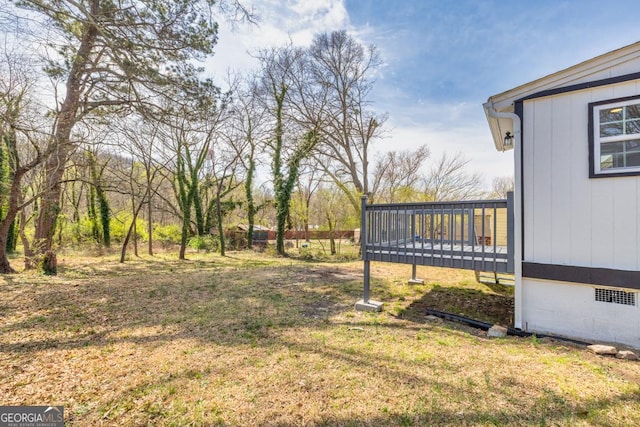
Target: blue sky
443,59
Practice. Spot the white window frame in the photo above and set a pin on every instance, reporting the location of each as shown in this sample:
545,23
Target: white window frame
596,140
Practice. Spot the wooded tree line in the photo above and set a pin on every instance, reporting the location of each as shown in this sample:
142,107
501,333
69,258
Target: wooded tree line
110,132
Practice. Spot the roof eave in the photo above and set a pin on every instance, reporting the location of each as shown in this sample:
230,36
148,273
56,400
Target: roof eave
504,102
499,127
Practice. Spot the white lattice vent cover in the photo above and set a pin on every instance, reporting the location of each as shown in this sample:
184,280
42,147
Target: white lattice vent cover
615,296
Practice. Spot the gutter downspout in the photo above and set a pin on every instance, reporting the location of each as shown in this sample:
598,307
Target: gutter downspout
517,207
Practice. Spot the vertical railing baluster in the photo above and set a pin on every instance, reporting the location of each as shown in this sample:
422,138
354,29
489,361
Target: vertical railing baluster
397,239
462,236
482,237
473,235
452,234
495,243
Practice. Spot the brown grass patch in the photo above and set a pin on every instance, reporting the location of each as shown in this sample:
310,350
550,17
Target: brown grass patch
252,340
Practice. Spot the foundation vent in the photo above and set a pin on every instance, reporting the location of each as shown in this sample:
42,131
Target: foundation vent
615,297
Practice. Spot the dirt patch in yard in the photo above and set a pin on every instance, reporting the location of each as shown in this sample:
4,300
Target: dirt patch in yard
473,303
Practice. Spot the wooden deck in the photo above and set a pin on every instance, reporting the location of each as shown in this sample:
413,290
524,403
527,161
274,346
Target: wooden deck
440,234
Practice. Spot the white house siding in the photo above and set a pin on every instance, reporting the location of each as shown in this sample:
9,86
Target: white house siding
569,218
571,310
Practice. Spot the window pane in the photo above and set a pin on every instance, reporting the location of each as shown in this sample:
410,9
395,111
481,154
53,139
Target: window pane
633,145
611,155
612,147
632,153
612,161
606,162
611,115
611,129
633,111
633,159
632,126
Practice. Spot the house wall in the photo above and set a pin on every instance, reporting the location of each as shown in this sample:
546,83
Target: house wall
570,219
571,310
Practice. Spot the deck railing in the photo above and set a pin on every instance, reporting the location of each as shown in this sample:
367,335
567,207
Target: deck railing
475,235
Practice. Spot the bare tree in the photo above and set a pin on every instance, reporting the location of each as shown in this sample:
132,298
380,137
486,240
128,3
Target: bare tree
282,69
334,210
501,186
141,141
341,69
249,132
21,142
308,183
397,175
448,179
221,177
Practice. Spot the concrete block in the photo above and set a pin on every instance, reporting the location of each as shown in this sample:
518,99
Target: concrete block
627,355
603,350
369,306
497,331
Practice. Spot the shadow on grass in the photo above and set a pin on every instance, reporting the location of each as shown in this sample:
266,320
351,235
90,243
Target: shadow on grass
491,307
226,306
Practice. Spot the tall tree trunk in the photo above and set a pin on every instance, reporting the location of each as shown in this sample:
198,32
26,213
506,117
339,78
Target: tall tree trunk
306,219
220,225
91,213
76,198
248,190
100,196
105,214
130,231
282,200
186,222
332,240
197,207
26,246
12,238
5,224
134,224
7,176
149,216
65,120
185,196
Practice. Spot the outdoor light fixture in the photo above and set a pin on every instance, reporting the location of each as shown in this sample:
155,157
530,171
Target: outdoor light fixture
508,141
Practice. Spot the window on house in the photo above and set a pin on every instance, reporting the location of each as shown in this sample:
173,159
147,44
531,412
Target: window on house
615,137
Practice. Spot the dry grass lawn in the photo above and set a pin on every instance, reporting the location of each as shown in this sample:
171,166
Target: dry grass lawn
253,340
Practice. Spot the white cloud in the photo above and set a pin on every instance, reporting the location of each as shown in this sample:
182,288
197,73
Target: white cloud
279,22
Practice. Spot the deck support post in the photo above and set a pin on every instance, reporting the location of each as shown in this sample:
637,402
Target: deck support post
414,280
365,304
